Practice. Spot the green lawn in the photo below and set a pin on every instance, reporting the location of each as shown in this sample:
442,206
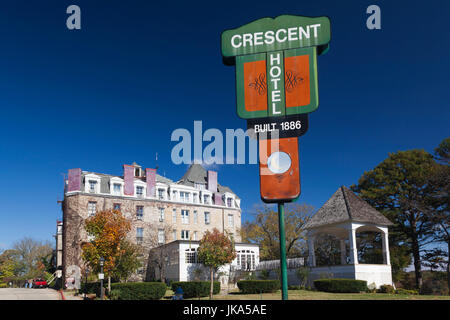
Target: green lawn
316,295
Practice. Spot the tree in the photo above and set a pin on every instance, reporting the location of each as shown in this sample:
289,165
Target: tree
8,265
437,206
108,230
395,187
263,230
29,254
215,250
128,261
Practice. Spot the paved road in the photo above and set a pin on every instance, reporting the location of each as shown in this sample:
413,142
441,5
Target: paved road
28,294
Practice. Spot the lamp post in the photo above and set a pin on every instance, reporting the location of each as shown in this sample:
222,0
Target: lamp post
102,262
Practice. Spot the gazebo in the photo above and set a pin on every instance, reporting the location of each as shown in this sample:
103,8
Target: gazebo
343,216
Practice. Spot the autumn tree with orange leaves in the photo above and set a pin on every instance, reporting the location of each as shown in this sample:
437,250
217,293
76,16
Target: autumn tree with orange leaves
108,230
215,250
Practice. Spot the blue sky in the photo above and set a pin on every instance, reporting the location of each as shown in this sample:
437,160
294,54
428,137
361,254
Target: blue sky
113,92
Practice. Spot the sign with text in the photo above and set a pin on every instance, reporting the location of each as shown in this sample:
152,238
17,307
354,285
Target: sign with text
276,89
276,64
285,127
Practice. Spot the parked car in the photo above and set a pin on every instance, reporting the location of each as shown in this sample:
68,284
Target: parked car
39,283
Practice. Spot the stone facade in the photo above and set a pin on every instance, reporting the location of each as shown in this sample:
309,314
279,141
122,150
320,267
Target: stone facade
79,204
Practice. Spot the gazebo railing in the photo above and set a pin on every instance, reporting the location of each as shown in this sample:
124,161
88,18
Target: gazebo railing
293,263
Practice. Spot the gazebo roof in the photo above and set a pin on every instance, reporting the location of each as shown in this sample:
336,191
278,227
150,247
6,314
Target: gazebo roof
344,206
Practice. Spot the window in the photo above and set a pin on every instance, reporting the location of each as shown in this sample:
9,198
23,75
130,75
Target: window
191,256
174,195
116,206
184,196
161,236
185,216
246,259
92,208
174,235
229,202
139,191
117,188
206,199
199,186
195,217
207,218
92,185
184,234
230,220
139,235
161,194
174,215
195,236
194,198
161,214
139,212
137,172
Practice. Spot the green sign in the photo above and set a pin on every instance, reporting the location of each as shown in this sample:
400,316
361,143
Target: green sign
276,64
283,32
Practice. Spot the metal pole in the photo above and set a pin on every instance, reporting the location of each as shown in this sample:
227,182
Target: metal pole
284,286
101,283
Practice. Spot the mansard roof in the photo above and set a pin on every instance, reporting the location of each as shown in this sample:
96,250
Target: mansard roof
197,174
344,206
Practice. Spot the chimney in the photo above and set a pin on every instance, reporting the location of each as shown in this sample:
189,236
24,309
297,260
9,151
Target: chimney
128,178
212,181
151,182
212,186
218,199
74,180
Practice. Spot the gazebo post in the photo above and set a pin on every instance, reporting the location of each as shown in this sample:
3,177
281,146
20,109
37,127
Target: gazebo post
343,252
311,253
385,243
353,247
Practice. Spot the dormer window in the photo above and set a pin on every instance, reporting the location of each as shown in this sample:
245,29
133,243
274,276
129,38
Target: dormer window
137,172
139,191
161,194
199,186
229,202
117,188
92,185
206,199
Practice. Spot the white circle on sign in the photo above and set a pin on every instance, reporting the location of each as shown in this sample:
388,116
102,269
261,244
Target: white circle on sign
279,162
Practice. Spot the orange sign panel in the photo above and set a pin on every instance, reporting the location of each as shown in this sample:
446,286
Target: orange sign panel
279,169
297,81
255,85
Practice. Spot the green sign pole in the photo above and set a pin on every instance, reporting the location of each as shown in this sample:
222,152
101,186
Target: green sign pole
283,266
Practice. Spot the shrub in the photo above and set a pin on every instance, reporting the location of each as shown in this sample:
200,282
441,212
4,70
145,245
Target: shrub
386,288
264,274
434,287
405,291
114,294
90,287
195,289
371,288
340,285
258,286
302,275
138,290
